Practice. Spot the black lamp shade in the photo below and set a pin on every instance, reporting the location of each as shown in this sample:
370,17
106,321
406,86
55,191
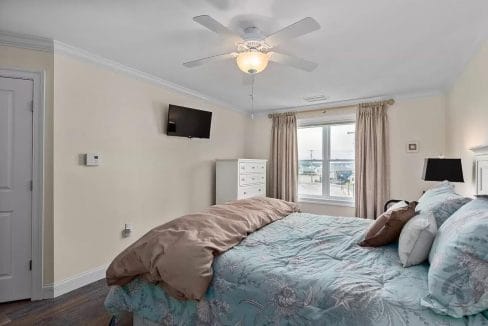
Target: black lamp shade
440,169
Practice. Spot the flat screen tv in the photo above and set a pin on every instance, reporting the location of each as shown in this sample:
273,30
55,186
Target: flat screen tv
186,122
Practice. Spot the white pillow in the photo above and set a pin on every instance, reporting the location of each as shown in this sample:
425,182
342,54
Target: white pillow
397,205
416,239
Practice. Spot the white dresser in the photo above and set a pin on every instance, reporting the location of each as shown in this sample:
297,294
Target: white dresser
239,179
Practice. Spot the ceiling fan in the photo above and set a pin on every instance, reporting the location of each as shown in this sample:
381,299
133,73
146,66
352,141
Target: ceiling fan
254,50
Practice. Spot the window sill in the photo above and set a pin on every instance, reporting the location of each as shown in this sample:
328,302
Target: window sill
326,201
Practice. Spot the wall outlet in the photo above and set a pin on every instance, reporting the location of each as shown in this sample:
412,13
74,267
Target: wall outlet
127,230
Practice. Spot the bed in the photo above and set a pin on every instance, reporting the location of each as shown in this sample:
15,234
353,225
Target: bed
301,270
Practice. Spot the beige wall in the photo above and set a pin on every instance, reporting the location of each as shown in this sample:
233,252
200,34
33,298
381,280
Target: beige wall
467,115
22,59
420,119
145,178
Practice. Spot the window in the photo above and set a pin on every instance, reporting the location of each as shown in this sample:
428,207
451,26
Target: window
326,162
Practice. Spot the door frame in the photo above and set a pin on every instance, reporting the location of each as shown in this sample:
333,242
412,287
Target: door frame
37,234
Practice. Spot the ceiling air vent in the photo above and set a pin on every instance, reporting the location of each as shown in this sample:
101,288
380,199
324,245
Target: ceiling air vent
315,98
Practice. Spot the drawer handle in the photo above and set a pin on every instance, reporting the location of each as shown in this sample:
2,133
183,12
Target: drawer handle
245,192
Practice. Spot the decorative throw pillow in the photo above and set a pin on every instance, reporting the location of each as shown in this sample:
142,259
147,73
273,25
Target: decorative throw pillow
458,275
443,210
388,226
476,205
436,195
416,239
398,205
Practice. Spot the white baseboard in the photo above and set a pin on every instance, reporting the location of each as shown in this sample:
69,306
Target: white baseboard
47,292
76,281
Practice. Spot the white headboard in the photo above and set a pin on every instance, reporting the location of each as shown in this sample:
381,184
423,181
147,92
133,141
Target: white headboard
481,163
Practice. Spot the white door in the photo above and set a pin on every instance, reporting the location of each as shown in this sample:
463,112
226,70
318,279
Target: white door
15,188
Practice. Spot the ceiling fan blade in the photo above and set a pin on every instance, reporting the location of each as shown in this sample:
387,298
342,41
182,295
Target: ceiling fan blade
214,58
215,26
293,61
301,27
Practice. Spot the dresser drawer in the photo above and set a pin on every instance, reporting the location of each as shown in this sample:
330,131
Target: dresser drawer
242,179
252,191
252,179
252,167
247,167
261,167
243,167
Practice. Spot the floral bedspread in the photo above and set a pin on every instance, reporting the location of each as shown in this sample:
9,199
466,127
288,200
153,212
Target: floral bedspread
302,270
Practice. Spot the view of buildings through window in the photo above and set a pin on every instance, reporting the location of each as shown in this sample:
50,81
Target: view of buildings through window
326,150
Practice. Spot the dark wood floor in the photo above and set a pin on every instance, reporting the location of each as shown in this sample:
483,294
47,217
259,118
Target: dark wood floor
83,306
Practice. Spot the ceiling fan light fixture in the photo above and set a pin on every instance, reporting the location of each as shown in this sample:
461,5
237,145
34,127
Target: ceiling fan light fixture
252,62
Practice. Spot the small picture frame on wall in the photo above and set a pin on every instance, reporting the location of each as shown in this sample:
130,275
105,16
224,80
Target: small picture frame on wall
412,147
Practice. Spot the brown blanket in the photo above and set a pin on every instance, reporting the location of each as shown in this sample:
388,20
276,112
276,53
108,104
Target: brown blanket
179,254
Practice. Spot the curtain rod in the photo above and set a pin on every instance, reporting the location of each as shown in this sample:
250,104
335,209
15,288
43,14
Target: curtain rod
388,102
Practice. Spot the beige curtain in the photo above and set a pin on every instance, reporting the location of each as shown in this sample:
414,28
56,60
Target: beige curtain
284,157
372,160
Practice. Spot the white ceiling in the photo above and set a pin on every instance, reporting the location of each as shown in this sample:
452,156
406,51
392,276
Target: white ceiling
364,49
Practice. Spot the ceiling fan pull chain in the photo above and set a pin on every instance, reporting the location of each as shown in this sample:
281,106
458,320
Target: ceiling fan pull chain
252,96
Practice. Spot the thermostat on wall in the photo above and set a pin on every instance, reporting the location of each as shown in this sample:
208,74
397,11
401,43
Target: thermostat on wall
92,159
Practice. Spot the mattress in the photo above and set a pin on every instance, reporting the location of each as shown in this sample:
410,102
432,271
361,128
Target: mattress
302,270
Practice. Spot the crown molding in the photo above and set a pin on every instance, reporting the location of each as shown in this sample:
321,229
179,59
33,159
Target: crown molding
72,51
24,41
352,102
43,44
